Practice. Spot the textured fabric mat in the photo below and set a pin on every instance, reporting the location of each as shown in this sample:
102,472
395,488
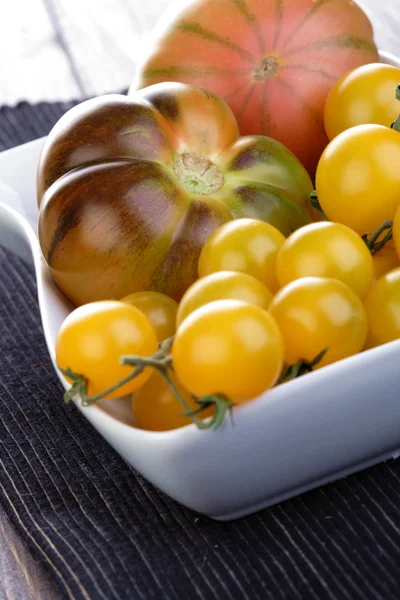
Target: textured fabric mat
102,532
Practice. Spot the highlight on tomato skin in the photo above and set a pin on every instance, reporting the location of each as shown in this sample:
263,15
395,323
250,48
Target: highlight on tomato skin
230,348
159,309
245,245
223,285
357,177
382,305
93,338
364,95
130,189
316,314
326,249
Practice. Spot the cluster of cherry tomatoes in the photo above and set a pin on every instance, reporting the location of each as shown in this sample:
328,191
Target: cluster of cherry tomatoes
265,307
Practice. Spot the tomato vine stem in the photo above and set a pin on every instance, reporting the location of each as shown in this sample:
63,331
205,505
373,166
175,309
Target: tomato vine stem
371,239
301,368
161,361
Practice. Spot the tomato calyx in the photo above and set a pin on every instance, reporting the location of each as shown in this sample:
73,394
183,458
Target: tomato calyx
198,175
161,361
396,124
313,199
301,368
372,239
266,68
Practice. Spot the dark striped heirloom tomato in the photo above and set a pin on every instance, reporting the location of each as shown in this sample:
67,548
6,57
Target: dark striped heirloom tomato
130,188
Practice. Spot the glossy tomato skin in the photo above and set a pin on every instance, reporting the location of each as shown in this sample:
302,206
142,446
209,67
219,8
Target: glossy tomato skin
274,62
131,188
156,408
383,309
326,250
365,95
396,232
245,245
228,347
159,309
316,313
385,260
223,285
358,177
94,337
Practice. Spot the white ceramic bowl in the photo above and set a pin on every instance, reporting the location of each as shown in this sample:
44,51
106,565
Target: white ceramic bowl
295,437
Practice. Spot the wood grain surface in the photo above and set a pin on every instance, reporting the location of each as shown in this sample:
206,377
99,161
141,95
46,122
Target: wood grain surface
62,49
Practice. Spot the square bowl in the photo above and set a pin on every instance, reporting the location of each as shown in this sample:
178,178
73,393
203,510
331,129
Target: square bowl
297,436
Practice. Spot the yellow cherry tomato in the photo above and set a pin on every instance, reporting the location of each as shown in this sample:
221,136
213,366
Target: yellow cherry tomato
245,245
396,231
365,95
385,260
382,304
156,408
326,250
224,285
228,347
159,309
358,177
316,313
94,337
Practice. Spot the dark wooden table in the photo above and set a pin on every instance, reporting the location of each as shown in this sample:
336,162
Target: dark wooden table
64,49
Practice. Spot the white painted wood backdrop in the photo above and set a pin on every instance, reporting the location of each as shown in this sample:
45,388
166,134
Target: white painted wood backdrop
64,49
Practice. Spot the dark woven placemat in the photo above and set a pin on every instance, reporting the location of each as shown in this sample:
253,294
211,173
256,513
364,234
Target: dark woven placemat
102,531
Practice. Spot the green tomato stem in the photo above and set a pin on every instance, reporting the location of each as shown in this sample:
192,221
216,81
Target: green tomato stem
161,361
301,368
372,239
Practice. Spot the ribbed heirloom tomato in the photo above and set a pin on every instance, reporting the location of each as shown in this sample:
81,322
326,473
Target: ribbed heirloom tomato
131,188
273,61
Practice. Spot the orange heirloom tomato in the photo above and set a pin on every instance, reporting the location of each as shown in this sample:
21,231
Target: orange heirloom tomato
314,314
246,245
130,189
156,408
358,177
326,250
94,337
364,95
382,304
224,285
159,309
228,347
